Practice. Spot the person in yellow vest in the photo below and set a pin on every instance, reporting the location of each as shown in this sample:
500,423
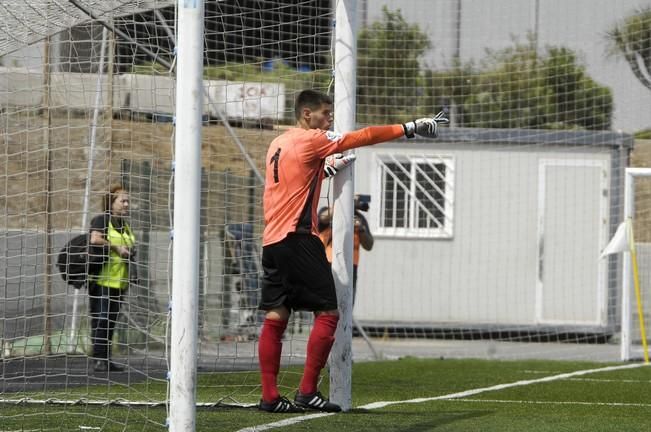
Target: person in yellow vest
362,235
106,289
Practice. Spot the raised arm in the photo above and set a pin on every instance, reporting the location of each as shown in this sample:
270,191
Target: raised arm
327,142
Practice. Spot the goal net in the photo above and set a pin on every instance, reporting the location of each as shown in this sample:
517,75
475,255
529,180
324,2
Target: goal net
487,241
87,101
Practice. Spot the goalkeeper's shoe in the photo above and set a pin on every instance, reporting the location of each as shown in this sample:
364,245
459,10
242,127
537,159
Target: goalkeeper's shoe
280,405
315,401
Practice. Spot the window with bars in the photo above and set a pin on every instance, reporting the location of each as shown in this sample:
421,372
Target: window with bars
416,195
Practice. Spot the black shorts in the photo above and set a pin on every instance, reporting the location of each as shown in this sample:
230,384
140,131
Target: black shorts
297,275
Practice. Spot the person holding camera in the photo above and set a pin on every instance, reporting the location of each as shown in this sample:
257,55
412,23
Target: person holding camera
362,235
105,290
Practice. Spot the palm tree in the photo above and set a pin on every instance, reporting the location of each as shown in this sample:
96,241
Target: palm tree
631,39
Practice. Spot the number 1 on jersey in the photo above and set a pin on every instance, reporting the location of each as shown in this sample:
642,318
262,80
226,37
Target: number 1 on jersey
274,160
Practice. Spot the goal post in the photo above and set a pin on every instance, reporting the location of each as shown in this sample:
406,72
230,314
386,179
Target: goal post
186,224
342,240
636,306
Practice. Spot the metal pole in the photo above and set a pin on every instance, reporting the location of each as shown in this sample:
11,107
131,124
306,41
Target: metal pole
93,129
454,120
626,323
536,24
342,222
187,201
72,336
457,34
47,288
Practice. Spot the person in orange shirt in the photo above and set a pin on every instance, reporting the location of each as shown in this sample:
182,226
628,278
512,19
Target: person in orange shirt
362,235
296,272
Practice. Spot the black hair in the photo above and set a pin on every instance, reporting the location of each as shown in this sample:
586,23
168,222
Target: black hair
310,99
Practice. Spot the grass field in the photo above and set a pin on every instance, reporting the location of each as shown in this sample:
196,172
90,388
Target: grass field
457,395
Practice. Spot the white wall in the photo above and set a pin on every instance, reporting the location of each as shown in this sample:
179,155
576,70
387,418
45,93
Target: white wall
488,271
22,87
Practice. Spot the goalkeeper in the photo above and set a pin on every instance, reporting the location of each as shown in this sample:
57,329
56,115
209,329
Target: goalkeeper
297,275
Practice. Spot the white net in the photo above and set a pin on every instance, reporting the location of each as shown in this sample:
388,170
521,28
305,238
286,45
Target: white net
26,23
486,241
77,99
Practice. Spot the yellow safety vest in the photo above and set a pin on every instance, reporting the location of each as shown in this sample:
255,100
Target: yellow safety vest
115,273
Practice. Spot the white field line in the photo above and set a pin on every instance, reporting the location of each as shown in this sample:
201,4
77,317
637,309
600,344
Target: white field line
463,394
286,422
626,381
524,402
592,379
473,392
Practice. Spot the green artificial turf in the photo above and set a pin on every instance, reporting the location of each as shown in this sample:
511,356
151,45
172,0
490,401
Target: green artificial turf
600,401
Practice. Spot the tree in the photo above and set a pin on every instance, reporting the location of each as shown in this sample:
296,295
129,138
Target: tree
632,40
515,87
576,99
389,80
518,88
509,91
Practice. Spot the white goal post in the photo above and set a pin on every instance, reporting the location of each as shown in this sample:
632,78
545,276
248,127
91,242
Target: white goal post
634,338
187,219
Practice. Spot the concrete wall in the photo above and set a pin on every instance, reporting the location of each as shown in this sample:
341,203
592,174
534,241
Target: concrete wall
22,293
24,88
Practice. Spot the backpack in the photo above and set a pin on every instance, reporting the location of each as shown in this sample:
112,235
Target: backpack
78,259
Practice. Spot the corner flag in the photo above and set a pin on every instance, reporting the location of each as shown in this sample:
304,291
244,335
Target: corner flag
619,243
623,241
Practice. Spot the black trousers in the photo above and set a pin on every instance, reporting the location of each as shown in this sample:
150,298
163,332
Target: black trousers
104,304
297,275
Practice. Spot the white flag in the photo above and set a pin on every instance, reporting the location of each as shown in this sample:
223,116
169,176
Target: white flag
619,242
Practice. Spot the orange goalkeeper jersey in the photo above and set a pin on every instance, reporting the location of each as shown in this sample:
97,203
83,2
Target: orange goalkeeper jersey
294,171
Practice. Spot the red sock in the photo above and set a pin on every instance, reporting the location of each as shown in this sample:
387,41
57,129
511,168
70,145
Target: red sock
269,349
318,348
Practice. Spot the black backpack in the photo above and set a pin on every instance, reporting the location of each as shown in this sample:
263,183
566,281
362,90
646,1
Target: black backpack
79,258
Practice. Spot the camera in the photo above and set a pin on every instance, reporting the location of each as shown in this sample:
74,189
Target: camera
362,202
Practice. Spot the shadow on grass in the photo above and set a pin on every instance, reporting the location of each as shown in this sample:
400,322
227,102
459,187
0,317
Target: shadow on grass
358,420
405,420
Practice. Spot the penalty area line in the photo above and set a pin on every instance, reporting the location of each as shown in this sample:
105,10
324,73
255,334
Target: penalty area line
583,403
459,395
473,392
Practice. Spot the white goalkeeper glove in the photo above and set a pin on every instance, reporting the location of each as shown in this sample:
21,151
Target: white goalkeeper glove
337,161
427,127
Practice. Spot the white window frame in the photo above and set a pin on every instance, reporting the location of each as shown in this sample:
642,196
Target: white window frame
412,230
